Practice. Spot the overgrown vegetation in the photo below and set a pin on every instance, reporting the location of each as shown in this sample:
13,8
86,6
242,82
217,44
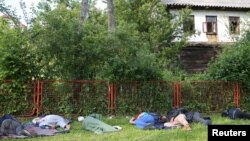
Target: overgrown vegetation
233,64
57,45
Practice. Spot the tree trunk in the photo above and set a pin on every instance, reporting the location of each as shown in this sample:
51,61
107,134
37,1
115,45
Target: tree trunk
84,10
111,15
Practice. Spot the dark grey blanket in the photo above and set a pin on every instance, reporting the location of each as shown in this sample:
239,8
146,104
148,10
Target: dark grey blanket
35,132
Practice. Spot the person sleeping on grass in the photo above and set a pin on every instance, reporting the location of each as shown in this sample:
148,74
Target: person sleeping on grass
52,121
9,125
150,120
94,123
191,116
235,113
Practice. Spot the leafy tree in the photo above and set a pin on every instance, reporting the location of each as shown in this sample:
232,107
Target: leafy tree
128,58
73,52
18,60
157,28
233,63
65,48
89,53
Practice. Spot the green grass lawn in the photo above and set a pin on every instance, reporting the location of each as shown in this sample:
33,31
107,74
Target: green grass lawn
131,133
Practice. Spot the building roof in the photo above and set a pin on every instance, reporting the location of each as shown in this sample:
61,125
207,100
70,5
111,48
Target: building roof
8,18
209,3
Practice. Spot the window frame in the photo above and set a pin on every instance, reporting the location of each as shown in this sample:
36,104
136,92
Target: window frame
213,26
237,28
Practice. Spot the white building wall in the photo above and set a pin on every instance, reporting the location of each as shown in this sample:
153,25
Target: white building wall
222,24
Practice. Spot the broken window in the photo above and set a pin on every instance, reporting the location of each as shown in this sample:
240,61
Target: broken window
234,25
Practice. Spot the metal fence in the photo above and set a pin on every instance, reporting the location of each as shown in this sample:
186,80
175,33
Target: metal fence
85,97
135,97
77,97
208,96
18,99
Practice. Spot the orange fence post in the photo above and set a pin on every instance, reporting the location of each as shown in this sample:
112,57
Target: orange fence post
237,94
39,97
111,96
177,95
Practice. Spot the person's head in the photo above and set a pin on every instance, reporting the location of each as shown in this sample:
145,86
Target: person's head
80,118
225,113
132,120
163,118
67,127
36,120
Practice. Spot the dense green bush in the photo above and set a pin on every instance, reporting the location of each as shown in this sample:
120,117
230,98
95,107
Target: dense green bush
233,64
